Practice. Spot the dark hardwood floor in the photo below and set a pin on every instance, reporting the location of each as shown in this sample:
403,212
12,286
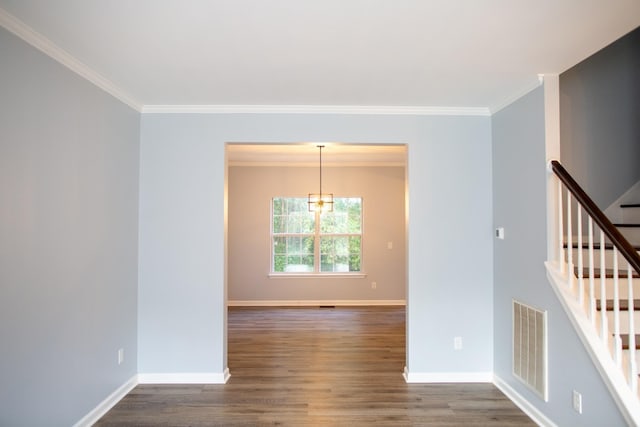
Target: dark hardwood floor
316,366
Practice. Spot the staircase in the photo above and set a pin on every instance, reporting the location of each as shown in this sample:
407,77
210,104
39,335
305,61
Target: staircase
595,271
630,229
608,302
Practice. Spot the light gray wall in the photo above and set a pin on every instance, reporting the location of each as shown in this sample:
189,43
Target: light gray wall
250,192
182,228
68,240
600,120
519,205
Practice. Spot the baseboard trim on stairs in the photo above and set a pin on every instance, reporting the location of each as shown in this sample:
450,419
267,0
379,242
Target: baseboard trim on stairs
447,377
103,407
526,407
310,303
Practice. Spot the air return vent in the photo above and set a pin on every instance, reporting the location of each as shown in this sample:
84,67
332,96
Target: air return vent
530,347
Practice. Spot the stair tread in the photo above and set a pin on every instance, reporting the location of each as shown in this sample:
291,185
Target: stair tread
622,274
625,341
596,246
633,225
624,305
630,205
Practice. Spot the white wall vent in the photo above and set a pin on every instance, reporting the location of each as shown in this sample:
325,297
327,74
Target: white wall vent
530,347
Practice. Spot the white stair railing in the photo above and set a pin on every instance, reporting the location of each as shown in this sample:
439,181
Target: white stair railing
617,260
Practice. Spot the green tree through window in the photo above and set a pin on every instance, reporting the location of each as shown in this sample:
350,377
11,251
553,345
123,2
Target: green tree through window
311,242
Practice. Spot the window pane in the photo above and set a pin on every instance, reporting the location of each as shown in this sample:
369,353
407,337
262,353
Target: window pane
291,215
340,254
293,245
354,220
279,245
346,217
307,261
327,257
293,254
299,264
279,263
279,224
278,206
307,246
355,248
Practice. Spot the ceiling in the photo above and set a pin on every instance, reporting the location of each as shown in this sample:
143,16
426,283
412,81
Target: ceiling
308,154
322,53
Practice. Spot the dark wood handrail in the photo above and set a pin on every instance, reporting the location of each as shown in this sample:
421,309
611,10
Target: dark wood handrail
617,239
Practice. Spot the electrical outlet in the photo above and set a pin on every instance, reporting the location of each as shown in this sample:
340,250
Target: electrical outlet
120,356
500,233
374,285
457,343
577,402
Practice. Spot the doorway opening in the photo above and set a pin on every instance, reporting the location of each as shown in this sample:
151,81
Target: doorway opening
258,173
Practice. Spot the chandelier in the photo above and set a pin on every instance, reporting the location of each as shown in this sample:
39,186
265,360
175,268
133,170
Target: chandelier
320,202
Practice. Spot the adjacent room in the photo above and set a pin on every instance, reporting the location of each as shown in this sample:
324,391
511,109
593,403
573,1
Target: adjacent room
272,236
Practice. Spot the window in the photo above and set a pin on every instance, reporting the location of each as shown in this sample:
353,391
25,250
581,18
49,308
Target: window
311,242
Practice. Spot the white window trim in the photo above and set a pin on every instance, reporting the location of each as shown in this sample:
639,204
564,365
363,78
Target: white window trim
318,274
327,275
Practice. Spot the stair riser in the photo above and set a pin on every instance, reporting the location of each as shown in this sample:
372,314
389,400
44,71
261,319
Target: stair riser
608,258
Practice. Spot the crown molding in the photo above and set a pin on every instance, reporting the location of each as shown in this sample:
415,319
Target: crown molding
43,44
316,109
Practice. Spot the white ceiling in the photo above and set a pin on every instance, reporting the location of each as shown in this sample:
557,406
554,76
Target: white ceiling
412,53
308,154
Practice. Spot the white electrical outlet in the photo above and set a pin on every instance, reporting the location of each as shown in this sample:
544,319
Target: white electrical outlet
120,356
457,343
577,402
373,285
500,233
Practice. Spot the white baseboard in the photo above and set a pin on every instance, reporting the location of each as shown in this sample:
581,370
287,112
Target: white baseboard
185,378
108,403
526,407
305,303
447,377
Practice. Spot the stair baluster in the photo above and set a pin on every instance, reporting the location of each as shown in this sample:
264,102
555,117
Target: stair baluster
570,270
561,237
603,291
592,290
617,340
633,368
580,256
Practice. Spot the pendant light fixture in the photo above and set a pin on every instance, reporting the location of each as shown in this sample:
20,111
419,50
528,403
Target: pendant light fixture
322,202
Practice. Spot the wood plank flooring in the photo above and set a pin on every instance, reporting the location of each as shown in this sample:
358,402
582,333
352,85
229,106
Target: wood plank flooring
316,366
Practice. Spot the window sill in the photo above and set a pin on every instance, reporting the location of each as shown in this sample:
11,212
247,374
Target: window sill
317,275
